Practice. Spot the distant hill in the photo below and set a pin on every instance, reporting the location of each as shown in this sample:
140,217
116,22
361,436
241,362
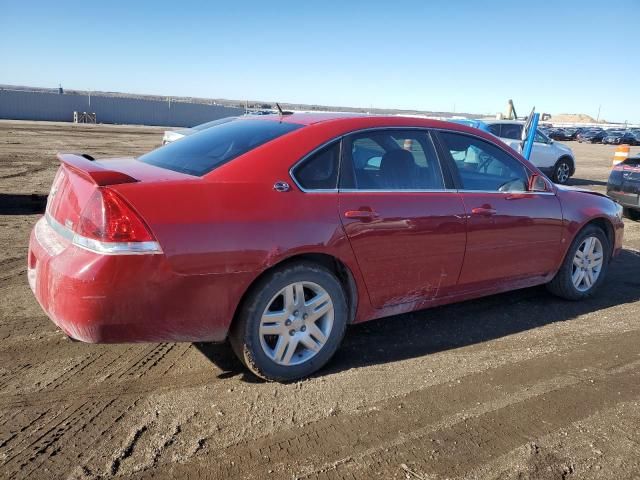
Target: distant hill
574,118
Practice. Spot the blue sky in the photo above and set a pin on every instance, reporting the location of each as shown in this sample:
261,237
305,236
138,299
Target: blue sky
565,56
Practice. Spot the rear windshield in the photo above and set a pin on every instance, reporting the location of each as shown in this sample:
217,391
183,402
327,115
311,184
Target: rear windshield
203,151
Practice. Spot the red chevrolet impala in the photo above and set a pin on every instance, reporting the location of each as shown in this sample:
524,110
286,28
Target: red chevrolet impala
278,231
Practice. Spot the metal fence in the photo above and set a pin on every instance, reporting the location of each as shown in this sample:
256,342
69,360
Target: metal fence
49,106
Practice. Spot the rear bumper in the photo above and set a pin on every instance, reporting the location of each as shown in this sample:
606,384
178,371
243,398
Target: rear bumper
100,298
628,200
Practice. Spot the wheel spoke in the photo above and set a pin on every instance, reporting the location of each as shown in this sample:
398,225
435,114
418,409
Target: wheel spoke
280,348
588,278
318,306
316,333
588,247
289,297
275,317
310,343
271,329
596,256
291,349
577,277
299,294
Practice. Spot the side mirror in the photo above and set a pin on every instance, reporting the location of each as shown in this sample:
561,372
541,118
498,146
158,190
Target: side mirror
537,183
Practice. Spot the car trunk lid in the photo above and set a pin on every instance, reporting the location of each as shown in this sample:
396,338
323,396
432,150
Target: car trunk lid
80,175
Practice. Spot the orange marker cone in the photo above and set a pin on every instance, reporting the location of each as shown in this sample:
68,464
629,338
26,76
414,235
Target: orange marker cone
621,154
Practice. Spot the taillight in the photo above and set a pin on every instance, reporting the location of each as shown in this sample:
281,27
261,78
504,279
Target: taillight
108,224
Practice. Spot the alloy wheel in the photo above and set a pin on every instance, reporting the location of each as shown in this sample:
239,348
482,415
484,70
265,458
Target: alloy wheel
587,264
562,172
296,323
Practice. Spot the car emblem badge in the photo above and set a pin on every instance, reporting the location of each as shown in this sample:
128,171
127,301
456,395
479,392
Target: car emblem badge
281,186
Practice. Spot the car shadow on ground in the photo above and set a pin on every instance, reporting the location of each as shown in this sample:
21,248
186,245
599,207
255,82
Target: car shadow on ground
583,182
22,204
438,329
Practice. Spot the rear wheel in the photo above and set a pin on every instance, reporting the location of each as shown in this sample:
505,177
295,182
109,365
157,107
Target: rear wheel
584,267
562,171
292,322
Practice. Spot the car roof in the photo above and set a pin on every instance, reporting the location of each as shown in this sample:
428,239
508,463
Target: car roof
360,120
306,118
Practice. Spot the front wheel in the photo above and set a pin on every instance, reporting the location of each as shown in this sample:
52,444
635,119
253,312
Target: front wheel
584,267
562,171
292,322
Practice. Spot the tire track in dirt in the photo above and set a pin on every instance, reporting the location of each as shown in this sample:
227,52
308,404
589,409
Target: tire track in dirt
89,430
148,360
491,400
109,366
31,446
11,268
467,445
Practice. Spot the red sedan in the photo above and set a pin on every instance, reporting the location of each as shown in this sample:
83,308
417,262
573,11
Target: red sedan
277,232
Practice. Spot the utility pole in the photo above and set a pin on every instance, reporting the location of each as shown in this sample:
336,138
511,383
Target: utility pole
598,117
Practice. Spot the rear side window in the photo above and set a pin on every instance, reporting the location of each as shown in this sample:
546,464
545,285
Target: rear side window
320,170
201,152
514,132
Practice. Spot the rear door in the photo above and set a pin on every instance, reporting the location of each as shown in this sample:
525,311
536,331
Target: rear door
406,228
512,233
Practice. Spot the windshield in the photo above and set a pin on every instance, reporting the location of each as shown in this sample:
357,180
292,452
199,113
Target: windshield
205,150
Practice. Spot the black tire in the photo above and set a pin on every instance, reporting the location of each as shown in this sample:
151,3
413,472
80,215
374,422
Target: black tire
562,284
562,171
244,335
632,214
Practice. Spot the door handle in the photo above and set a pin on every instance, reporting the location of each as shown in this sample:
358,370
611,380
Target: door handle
484,211
361,214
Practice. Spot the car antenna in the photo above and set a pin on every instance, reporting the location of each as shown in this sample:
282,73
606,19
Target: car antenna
282,112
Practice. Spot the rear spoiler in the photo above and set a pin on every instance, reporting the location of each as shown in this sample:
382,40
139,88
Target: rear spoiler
92,171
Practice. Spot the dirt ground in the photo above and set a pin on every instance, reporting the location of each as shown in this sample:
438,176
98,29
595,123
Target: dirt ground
515,386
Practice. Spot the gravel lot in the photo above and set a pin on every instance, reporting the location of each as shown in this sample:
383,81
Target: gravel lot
519,385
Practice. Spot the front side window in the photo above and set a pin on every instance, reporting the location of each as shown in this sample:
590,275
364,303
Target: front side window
391,160
540,137
483,166
320,170
201,152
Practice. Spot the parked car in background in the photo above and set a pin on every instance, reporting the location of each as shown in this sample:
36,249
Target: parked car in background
624,186
592,136
554,159
278,231
173,135
559,134
620,138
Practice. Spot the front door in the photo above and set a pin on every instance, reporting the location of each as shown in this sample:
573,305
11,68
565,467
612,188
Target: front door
512,234
406,229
